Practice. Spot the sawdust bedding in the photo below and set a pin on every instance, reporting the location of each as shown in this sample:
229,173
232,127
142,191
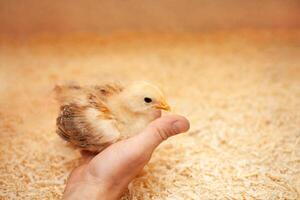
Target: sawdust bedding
240,90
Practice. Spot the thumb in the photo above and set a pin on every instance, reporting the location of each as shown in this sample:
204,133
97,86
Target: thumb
132,154
160,130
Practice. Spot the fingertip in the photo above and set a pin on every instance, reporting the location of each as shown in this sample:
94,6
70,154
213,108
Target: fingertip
168,126
181,125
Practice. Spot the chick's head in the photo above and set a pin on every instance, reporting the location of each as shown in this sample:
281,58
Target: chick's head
143,97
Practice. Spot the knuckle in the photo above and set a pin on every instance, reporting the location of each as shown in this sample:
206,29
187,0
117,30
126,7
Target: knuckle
163,132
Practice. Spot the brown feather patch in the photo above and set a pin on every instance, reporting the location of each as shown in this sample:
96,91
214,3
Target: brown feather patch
109,89
72,127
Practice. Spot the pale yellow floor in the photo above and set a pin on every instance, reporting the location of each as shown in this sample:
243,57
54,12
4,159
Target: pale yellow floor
240,90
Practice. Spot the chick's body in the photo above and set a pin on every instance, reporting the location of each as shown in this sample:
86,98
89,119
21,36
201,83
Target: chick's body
93,117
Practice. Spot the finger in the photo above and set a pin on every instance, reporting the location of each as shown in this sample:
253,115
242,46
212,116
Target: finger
129,156
160,130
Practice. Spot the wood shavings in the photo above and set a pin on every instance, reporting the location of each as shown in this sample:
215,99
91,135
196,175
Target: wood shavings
241,96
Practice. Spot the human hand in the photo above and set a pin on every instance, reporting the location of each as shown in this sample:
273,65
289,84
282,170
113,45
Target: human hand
107,175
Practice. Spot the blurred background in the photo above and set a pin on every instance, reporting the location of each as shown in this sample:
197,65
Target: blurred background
24,18
232,67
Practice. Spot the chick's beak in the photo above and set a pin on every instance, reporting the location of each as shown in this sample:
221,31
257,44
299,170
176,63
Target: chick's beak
162,105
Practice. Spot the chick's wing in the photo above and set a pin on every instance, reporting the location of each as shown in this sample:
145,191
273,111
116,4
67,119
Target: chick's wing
84,119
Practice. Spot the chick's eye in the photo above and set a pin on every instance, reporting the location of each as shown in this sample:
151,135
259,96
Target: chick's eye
147,100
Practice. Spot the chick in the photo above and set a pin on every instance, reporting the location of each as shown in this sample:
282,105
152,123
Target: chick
93,117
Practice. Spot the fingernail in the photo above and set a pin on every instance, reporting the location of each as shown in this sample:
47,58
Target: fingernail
179,126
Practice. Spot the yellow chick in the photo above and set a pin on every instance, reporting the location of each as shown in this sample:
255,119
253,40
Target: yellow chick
93,117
